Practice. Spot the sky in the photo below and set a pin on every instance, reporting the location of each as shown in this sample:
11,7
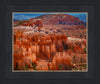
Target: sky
26,16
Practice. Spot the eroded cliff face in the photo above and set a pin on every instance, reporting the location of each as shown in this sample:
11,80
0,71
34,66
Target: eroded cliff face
60,19
46,51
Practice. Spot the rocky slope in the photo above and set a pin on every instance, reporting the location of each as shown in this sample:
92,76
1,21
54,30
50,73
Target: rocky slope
63,19
56,19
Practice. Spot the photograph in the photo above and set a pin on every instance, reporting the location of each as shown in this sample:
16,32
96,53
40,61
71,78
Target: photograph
50,41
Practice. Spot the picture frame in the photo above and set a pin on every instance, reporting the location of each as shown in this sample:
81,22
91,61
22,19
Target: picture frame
92,76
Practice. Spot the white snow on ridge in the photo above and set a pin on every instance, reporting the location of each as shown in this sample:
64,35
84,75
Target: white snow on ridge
74,39
36,19
23,27
30,32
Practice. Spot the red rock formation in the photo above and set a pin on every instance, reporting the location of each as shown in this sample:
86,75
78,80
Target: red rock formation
48,51
53,48
42,65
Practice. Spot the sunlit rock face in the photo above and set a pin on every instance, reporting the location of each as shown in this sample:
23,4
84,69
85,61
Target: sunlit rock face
46,52
42,65
63,19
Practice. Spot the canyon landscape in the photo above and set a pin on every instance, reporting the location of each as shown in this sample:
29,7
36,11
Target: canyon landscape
50,42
